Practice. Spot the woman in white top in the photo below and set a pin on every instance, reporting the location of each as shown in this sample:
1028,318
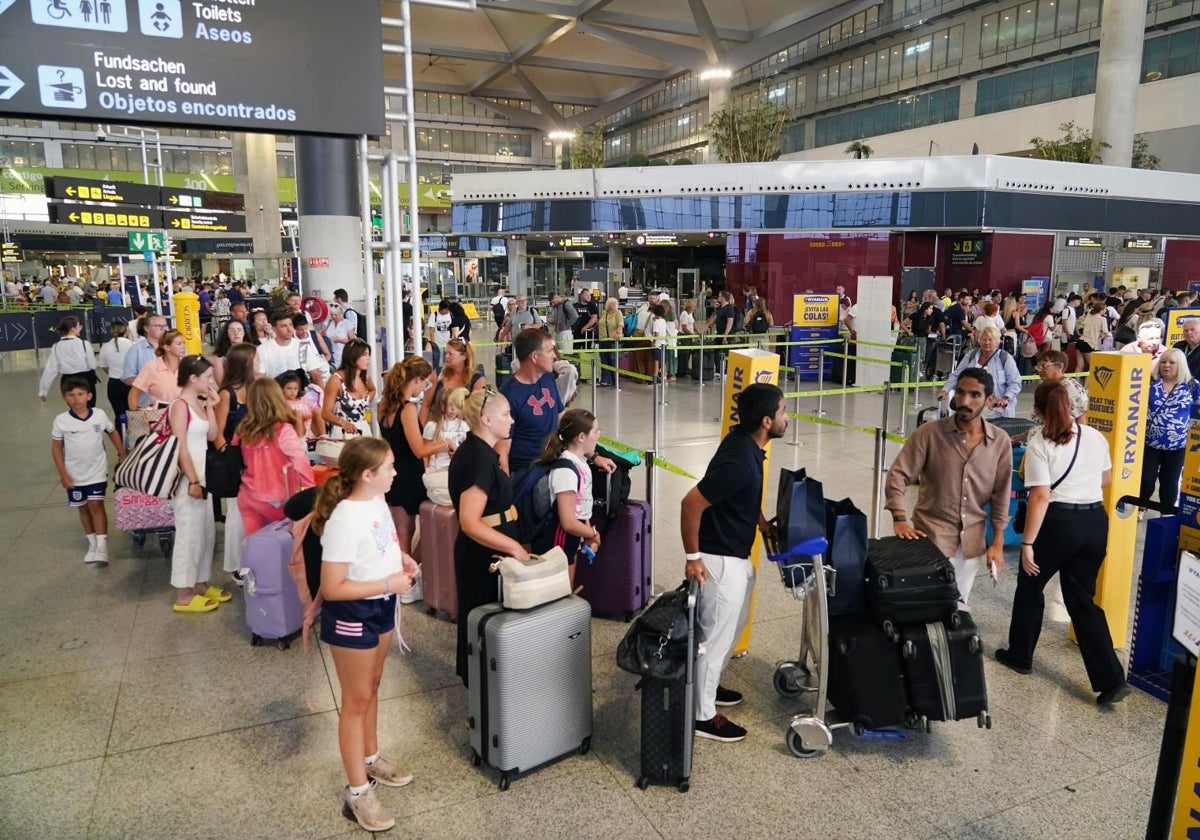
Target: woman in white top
112,362
1067,467
71,356
687,327
1093,329
445,423
194,424
575,441
362,569
338,333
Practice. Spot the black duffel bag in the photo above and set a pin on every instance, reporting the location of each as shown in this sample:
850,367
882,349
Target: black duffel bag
656,644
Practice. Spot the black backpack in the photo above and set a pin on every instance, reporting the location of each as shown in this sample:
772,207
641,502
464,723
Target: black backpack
759,325
499,312
536,506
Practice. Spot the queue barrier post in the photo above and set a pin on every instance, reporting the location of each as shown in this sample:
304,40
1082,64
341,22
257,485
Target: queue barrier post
904,403
877,489
820,382
650,487
796,425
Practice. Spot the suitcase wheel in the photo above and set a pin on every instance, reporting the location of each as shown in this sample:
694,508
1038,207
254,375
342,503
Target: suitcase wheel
889,630
984,720
684,786
973,644
282,644
925,722
505,780
255,640
475,759
139,538
643,782
909,650
796,746
586,745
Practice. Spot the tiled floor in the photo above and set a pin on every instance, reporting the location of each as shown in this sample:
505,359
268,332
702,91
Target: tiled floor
120,718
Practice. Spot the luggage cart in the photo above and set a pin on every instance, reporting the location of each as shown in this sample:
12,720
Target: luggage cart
164,535
803,571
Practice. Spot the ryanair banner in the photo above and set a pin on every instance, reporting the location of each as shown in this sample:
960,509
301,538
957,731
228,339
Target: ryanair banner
1175,318
1189,494
1118,393
814,310
742,369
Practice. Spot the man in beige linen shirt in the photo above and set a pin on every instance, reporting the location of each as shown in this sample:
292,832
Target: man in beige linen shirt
963,463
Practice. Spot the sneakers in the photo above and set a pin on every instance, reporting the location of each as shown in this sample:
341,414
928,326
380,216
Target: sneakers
1113,695
720,728
413,595
386,772
238,577
366,810
727,696
1006,659
99,556
90,557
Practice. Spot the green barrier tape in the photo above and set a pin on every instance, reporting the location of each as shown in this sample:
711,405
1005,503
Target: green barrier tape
867,359
658,460
837,392
628,374
825,421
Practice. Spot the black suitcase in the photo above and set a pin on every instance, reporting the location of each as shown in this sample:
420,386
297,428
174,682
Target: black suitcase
669,719
909,582
702,364
838,364
943,671
866,678
503,369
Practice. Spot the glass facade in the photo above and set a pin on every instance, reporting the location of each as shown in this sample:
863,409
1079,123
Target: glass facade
924,109
1177,54
22,153
458,141
1035,85
1037,20
904,60
109,157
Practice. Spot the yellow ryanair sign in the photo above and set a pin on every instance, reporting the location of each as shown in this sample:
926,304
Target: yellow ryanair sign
814,310
743,369
187,320
1118,393
1175,318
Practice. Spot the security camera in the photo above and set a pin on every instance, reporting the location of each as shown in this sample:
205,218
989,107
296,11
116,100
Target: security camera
101,135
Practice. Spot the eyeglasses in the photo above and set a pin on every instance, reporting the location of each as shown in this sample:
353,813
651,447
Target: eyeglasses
1044,365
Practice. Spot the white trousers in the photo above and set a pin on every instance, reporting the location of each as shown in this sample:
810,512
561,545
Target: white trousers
195,539
720,618
235,535
965,570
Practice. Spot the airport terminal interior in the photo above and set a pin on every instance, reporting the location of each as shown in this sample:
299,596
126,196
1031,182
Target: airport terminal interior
124,719
904,132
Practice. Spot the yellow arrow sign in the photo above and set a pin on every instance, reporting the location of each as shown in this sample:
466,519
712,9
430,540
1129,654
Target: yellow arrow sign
175,223
70,191
74,217
174,199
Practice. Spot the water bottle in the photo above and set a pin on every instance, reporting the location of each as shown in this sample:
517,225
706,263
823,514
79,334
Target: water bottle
586,551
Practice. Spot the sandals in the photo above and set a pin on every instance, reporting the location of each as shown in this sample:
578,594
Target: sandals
218,595
198,604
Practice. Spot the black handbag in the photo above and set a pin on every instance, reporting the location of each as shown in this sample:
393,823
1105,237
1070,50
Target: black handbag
656,644
223,470
1018,520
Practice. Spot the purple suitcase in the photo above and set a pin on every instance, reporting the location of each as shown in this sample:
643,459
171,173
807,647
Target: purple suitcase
273,608
618,582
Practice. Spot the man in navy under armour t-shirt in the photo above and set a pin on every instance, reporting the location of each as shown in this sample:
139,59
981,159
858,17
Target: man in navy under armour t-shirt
534,397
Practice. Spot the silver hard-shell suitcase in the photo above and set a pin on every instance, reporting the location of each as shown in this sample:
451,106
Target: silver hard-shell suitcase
530,694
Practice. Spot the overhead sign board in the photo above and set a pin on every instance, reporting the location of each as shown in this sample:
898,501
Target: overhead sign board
10,253
217,246
146,240
118,192
173,198
966,250
203,220
1084,242
1140,243
649,239
283,66
95,214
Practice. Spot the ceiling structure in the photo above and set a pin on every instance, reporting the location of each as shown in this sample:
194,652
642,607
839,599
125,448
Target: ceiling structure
600,54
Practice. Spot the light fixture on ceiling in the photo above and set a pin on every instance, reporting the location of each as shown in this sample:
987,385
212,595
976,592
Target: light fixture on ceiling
716,73
560,134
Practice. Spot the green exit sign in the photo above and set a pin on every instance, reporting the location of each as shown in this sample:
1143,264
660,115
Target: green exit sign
146,240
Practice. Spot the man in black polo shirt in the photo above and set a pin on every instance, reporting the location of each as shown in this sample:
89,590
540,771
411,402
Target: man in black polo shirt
718,519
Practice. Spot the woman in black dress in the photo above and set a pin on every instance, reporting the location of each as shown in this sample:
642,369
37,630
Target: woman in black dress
398,425
483,499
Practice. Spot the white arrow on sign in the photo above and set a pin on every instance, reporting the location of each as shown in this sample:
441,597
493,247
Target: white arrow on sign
15,331
9,83
138,242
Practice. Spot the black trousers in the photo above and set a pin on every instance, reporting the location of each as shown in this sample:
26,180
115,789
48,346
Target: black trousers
608,356
1071,544
1164,466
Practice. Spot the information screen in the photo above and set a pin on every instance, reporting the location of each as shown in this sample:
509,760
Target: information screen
281,66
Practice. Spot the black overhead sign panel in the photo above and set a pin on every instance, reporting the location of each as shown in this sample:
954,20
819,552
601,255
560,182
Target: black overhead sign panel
285,66
83,189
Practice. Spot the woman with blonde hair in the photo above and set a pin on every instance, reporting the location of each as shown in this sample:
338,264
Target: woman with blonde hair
459,370
996,361
362,568
1173,396
483,499
276,458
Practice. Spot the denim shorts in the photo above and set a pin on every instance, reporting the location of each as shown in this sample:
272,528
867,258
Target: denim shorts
357,624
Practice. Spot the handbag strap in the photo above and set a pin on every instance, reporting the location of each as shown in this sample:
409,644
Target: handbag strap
1073,457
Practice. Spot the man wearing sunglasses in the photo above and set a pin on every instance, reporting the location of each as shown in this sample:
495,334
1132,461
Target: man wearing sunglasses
532,393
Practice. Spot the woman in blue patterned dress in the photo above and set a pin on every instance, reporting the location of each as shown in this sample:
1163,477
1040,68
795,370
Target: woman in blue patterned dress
1172,395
